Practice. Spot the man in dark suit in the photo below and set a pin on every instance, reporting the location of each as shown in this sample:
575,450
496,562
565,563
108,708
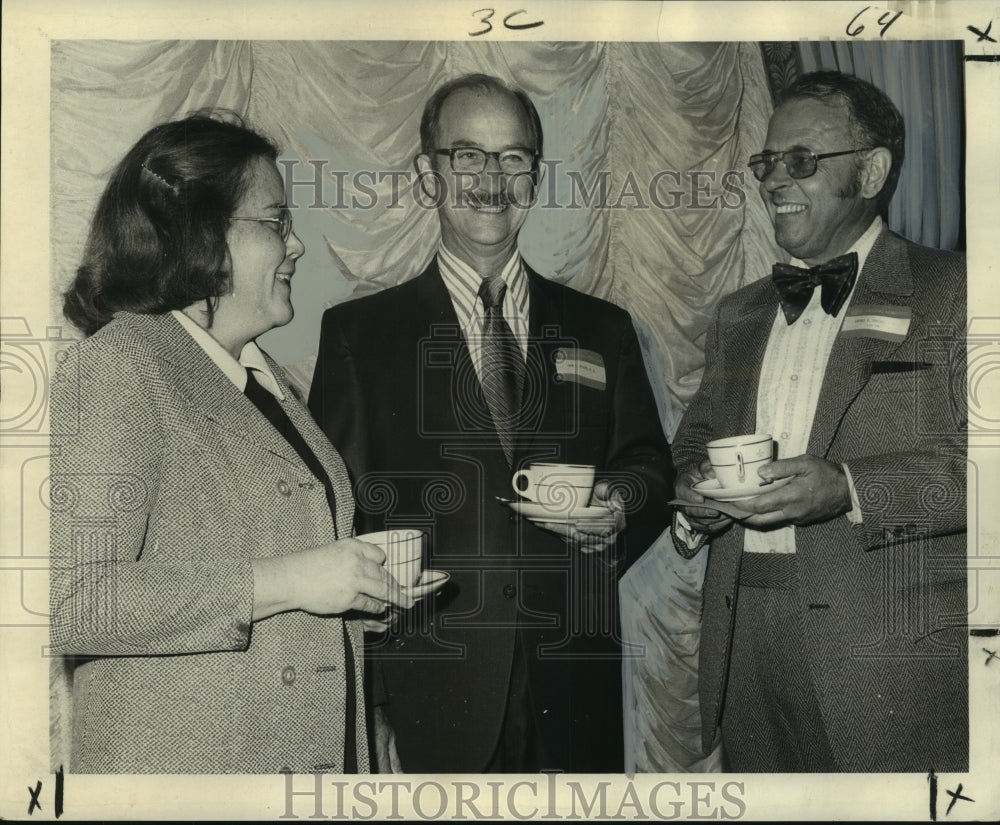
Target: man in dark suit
834,625
437,391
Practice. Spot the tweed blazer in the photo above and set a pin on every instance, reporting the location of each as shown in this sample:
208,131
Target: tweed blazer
883,603
166,482
396,391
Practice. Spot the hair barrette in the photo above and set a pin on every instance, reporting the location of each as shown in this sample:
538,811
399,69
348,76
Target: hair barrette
158,176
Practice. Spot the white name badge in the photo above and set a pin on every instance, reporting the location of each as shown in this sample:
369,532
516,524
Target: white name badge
888,323
581,365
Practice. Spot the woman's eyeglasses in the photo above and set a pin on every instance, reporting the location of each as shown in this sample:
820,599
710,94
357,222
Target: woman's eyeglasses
800,163
283,223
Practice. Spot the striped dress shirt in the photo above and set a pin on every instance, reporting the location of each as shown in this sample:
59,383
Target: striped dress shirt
462,283
791,377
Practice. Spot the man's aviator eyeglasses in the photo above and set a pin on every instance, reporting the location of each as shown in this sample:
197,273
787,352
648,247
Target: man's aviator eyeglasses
283,223
470,160
800,163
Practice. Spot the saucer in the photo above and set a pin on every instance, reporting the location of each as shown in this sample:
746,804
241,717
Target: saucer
539,512
434,577
709,488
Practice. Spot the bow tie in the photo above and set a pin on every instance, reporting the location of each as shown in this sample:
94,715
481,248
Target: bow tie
795,285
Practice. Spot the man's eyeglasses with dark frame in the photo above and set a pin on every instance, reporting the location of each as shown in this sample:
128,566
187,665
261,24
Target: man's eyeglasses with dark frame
800,163
470,160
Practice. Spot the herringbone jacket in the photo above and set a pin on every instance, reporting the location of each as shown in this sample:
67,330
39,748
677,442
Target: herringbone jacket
166,482
883,603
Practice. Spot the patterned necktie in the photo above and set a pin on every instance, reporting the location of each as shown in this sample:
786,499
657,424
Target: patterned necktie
501,365
795,285
272,410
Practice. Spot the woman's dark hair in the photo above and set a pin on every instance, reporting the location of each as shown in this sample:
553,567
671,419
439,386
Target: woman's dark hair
158,238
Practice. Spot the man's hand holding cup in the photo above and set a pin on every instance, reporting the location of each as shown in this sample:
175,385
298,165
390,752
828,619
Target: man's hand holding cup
567,501
730,472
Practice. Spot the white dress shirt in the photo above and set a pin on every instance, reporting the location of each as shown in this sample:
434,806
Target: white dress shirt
250,357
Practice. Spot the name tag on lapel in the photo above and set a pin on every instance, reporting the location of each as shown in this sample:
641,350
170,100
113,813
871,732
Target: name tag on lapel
581,365
887,323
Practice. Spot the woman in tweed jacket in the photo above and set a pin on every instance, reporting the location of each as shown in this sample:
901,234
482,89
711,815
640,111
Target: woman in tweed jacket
200,569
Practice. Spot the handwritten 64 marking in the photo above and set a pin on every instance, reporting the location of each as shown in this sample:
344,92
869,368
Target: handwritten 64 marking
487,16
885,20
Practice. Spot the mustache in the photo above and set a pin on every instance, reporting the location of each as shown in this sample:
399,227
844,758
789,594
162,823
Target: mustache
488,198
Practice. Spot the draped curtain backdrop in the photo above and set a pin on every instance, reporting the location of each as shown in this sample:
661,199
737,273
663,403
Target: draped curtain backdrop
677,224
664,246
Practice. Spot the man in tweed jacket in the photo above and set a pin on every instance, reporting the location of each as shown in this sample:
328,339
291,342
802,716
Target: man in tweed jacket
834,616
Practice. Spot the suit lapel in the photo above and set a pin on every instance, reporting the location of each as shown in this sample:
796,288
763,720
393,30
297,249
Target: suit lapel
546,405
885,280
745,339
304,423
326,454
454,401
205,387
436,304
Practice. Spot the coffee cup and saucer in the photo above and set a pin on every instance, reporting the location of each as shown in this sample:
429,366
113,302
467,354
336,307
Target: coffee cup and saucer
432,579
735,462
404,558
554,493
712,489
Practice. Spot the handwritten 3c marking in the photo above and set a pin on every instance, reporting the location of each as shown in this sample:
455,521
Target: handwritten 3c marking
487,15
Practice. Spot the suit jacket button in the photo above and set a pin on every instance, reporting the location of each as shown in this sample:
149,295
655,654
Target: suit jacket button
509,591
288,675
729,602
283,488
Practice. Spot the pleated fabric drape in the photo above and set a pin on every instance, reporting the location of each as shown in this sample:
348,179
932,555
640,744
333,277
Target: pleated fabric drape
646,200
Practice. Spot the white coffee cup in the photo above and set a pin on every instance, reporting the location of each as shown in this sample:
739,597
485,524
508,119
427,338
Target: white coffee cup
560,488
404,552
737,459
